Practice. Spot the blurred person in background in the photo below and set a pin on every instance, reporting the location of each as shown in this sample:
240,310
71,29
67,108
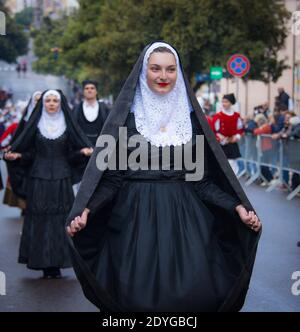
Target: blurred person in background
12,133
90,115
229,128
283,97
264,128
48,150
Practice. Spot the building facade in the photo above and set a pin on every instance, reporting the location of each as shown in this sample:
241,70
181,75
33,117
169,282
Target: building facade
254,92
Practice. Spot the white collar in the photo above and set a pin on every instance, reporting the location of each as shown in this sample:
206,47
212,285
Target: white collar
90,111
90,104
228,112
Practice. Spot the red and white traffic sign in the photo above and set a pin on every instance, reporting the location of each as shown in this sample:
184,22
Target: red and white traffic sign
238,65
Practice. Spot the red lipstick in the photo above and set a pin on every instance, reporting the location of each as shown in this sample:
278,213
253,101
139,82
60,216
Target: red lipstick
163,85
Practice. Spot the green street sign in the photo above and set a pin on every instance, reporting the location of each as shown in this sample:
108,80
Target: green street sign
216,73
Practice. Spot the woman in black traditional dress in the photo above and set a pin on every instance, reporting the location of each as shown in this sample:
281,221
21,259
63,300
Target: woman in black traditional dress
147,240
9,197
47,149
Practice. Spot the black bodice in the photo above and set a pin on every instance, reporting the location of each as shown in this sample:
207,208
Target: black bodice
51,157
92,129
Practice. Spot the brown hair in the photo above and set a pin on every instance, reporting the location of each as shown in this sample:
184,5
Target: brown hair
162,49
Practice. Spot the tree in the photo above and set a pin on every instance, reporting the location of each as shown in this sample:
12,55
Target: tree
47,48
25,17
15,42
104,38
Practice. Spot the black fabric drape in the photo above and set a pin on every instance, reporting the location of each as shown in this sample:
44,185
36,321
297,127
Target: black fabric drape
18,170
22,124
21,173
86,243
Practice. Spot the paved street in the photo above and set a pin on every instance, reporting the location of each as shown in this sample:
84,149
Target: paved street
22,86
270,290
25,290
278,256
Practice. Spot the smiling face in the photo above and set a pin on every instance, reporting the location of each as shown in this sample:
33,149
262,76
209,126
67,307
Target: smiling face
161,72
52,104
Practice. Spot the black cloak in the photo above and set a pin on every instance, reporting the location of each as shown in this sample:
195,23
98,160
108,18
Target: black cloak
86,244
22,123
20,128
22,140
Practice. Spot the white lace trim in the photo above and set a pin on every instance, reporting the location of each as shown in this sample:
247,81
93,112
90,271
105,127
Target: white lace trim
163,120
229,112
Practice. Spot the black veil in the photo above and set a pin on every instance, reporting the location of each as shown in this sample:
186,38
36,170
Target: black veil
22,122
86,244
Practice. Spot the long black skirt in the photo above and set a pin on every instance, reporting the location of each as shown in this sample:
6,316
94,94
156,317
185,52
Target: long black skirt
43,241
231,150
160,252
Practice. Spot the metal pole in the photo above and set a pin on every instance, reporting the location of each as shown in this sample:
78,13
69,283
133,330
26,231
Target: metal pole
246,97
237,93
269,92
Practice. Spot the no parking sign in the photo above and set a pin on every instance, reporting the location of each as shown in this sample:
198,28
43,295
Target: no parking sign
238,65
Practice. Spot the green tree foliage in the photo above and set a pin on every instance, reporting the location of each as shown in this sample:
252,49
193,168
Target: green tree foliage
25,17
104,38
47,48
15,42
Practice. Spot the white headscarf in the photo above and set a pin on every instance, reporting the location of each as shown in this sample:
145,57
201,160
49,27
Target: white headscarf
52,125
171,111
31,105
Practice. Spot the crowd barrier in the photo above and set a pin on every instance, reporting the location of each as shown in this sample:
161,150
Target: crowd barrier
262,156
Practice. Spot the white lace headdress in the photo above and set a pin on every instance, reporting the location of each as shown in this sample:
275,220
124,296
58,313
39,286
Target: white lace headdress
170,111
52,125
31,105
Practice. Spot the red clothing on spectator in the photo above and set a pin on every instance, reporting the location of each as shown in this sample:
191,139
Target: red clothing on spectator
266,142
227,125
210,121
9,131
